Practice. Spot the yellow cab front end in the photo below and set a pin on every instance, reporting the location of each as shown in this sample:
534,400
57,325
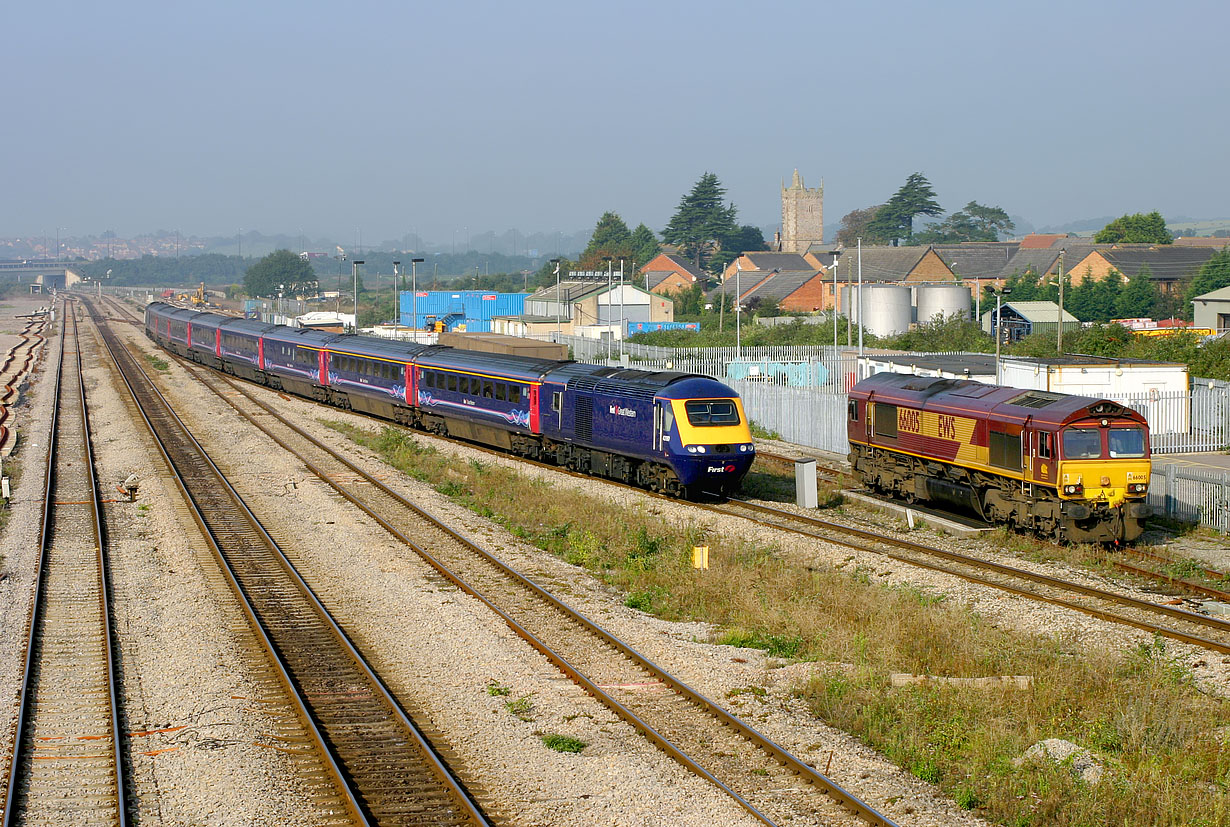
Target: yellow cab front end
1105,466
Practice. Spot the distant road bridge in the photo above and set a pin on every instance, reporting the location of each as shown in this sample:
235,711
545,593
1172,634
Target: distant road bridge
46,273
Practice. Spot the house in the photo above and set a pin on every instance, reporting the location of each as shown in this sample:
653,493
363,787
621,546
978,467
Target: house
806,290
1020,319
1167,264
1202,241
977,259
885,265
667,273
765,262
585,305
1043,241
1212,310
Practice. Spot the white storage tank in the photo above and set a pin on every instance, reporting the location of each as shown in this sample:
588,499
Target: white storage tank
945,300
887,307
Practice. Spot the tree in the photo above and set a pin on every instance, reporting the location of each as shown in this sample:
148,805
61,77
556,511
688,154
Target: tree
1135,229
972,223
1139,298
701,221
1214,274
610,238
854,225
743,240
895,220
644,244
280,271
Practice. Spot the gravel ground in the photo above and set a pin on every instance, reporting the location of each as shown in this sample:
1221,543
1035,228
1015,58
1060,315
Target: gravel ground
714,670
178,631
19,540
205,723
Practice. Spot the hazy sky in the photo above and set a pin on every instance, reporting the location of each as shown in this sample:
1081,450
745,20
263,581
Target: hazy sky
455,117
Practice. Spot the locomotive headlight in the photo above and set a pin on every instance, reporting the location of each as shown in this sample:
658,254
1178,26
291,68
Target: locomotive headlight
700,449
691,449
742,449
1138,487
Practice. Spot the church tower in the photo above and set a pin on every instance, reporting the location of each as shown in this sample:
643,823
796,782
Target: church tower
802,216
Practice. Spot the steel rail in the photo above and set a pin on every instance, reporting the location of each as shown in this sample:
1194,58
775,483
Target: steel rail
46,536
780,754
345,776
999,568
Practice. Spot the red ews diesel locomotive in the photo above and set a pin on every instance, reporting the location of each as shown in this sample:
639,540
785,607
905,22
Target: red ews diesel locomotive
1068,468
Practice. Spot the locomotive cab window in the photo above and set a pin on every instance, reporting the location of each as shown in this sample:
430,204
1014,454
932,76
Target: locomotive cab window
557,400
1044,445
705,412
853,409
1126,442
1082,443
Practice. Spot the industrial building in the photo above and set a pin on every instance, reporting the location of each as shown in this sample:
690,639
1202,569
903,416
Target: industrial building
458,310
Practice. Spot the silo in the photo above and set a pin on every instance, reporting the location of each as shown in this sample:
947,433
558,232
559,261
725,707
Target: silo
945,300
887,307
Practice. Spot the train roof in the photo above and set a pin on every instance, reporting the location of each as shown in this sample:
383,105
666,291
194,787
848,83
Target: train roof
300,336
966,396
633,382
251,327
529,368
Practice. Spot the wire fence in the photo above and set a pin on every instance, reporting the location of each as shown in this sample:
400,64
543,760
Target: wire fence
800,393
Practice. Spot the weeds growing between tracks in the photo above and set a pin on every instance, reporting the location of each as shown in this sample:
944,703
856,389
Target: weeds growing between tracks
1163,743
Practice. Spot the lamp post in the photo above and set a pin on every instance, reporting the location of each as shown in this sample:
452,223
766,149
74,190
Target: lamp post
623,324
559,301
414,294
836,261
354,268
997,327
860,309
610,271
399,287
738,312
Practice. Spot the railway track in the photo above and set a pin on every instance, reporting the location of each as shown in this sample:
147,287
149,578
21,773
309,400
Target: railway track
1211,633
764,778
386,771
67,766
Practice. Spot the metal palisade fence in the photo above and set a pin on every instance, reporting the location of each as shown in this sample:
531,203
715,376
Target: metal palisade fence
800,393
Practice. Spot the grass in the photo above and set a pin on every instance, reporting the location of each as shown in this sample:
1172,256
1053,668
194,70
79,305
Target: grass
12,469
157,363
1140,713
563,743
759,432
522,707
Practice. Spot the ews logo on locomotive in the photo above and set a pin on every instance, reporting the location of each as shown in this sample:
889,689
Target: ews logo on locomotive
914,422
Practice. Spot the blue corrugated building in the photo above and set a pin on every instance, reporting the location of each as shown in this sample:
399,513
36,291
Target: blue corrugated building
472,308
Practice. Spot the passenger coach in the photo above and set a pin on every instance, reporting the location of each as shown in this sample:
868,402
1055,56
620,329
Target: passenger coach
677,433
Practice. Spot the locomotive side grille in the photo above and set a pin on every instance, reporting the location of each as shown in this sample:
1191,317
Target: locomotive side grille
585,416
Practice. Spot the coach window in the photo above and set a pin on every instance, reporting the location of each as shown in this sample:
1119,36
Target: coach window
501,392
514,394
429,379
886,420
452,382
488,389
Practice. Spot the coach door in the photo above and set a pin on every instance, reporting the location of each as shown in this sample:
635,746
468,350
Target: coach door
663,424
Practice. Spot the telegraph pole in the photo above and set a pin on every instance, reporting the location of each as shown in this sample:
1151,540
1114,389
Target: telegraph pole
1059,326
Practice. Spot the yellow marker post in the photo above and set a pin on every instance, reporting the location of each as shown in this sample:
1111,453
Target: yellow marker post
700,557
